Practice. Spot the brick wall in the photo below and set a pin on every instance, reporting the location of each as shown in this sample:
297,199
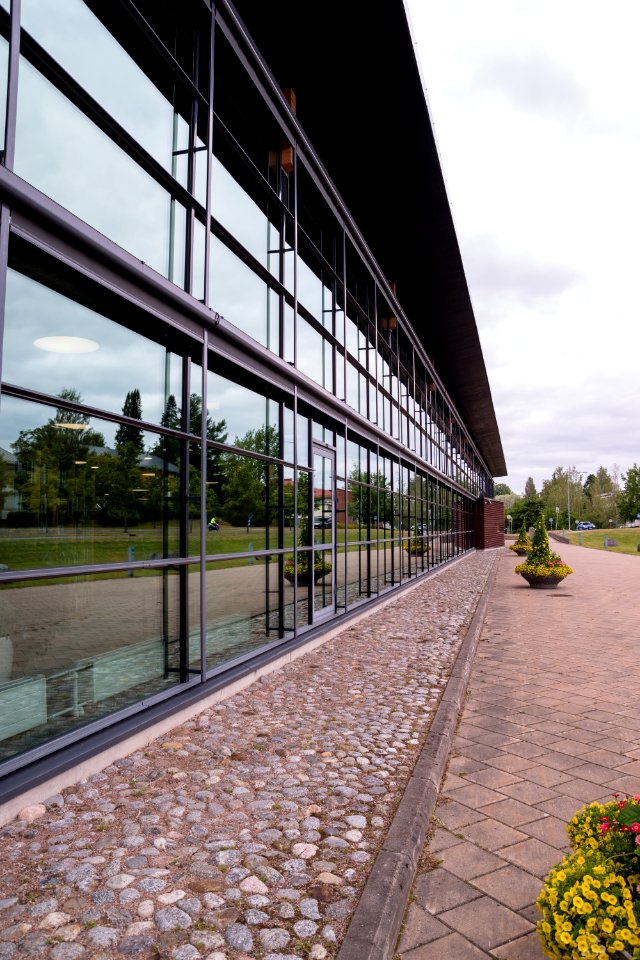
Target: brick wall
489,524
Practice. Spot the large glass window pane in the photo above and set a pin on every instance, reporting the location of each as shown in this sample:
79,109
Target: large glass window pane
250,420
53,344
314,355
63,154
353,387
245,117
238,293
238,212
4,61
310,290
105,70
247,512
298,612
199,239
71,497
74,651
242,609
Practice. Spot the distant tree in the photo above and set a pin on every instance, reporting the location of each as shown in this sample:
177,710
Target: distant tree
50,478
502,490
116,481
64,415
168,448
127,434
526,510
629,499
601,492
554,495
250,485
368,502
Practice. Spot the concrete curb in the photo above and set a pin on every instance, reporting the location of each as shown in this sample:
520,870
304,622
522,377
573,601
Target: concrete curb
375,925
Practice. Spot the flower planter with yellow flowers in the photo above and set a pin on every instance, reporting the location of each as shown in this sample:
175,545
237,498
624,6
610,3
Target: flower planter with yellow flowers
523,544
589,904
543,569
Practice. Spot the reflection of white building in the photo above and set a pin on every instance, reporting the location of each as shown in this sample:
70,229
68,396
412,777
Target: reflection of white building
9,497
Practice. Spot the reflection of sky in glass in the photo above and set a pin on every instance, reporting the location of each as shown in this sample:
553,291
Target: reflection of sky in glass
238,212
17,415
123,362
69,159
242,409
105,71
4,60
310,290
238,293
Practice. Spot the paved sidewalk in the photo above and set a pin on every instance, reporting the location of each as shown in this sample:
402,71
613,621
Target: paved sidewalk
552,721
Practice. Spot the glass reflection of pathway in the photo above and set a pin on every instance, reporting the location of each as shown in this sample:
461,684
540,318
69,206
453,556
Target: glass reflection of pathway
104,637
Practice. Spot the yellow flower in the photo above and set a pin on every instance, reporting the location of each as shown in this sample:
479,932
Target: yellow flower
607,925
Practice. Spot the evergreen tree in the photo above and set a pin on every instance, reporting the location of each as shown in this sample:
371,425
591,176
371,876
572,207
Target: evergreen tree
127,434
540,553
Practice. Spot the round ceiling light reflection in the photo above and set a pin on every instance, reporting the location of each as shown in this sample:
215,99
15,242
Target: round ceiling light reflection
66,344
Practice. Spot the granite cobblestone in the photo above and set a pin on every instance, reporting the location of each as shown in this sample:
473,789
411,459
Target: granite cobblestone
248,831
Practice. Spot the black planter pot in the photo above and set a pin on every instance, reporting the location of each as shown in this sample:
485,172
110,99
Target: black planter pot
302,579
541,582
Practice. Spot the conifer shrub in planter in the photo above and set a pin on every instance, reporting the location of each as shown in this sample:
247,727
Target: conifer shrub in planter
298,569
523,544
543,568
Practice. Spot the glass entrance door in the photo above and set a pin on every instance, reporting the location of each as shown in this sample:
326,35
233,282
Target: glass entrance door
323,532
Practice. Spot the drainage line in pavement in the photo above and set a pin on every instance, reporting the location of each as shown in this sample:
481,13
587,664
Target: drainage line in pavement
375,925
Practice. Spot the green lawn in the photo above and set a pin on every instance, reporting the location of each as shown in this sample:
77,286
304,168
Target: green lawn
627,539
35,549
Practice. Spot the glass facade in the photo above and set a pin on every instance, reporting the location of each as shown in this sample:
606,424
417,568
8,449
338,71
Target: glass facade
217,430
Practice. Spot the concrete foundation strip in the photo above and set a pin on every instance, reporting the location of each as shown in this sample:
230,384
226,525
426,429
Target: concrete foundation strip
375,925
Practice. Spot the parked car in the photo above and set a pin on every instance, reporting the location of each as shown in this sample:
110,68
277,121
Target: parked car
585,525
320,522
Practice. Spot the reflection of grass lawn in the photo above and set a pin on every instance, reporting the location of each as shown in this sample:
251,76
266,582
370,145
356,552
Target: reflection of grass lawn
627,539
35,549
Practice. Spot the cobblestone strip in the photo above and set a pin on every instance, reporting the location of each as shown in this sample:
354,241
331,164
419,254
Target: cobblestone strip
248,832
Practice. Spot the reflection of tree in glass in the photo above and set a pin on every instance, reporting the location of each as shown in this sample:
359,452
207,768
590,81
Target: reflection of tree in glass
371,502
52,483
127,434
251,486
289,498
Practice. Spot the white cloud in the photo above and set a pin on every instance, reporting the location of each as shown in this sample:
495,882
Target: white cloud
535,115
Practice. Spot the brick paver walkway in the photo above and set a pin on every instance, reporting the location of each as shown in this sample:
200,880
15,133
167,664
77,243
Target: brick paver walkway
552,721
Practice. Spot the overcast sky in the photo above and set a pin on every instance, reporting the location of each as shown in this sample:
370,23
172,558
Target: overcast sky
536,116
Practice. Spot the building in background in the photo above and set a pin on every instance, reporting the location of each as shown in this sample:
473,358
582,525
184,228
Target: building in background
230,288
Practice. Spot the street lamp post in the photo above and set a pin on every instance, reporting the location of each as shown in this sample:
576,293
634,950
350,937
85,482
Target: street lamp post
580,475
557,517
